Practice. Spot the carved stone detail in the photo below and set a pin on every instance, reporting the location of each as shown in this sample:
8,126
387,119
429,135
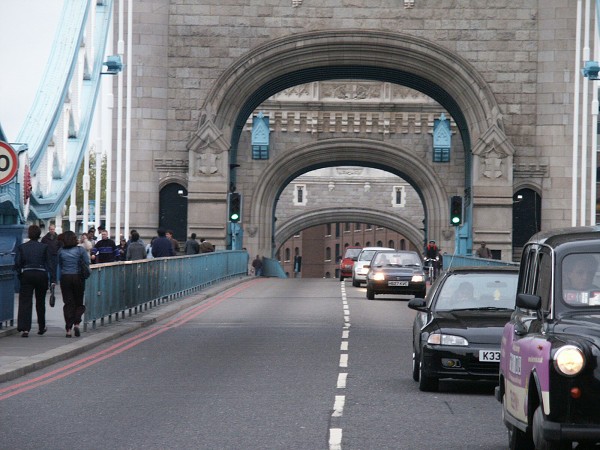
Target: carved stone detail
206,148
493,154
171,165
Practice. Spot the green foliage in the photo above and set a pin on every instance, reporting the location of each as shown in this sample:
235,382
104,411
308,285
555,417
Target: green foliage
92,172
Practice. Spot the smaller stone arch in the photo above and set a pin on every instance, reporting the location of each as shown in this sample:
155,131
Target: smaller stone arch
320,216
348,151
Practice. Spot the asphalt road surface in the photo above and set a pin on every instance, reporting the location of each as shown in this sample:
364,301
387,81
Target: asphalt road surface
271,364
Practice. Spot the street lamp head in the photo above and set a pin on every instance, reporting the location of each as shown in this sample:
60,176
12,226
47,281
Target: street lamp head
113,64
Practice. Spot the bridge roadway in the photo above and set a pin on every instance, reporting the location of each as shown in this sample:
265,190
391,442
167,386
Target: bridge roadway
251,363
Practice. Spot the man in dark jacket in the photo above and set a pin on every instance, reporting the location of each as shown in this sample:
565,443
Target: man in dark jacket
162,246
191,245
34,269
105,250
54,245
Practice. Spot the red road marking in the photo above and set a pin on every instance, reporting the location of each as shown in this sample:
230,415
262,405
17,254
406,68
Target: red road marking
120,347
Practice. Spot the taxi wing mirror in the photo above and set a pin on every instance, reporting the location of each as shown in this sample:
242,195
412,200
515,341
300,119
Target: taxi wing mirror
418,304
529,301
367,266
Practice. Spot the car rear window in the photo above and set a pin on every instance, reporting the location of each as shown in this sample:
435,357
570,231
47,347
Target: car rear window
352,252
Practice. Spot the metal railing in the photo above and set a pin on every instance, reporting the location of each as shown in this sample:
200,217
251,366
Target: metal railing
117,289
461,261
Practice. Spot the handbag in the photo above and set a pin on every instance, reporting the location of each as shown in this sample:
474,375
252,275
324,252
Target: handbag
84,268
52,297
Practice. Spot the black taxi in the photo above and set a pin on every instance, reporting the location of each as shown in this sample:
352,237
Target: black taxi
549,380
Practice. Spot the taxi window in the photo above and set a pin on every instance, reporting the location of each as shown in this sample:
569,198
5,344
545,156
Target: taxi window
580,280
543,280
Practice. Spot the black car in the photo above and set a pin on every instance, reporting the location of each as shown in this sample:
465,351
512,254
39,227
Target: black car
395,272
458,328
549,381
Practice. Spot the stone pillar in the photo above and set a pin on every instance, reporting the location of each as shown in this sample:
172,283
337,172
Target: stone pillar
492,192
208,183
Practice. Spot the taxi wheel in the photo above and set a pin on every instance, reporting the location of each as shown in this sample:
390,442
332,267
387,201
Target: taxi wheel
538,438
517,439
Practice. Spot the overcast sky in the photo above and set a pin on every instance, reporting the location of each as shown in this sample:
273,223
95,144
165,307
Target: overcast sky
28,28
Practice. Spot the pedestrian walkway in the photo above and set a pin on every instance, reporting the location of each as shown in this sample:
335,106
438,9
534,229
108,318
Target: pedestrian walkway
19,356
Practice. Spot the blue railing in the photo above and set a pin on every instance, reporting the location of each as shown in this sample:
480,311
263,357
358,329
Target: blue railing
461,261
272,268
116,288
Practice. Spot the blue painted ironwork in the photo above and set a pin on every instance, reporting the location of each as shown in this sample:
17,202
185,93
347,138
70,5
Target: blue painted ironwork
260,137
442,139
462,261
272,268
115,288
41,121
11,237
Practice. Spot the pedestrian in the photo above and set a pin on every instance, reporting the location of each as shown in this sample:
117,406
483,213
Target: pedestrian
122,249
84,241
34,270
174,242
135,249
72,262
92,235
105,250
257,265
483,251
53,243
191,245
161,245
149,254
205,246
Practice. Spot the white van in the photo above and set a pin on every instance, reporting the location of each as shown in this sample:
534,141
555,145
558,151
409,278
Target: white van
359,273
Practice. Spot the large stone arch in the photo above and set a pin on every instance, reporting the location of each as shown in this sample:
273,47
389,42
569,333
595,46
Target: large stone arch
346,151
360,215
369,54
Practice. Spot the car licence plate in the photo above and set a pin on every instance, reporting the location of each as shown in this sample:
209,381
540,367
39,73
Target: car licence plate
489,355
397,283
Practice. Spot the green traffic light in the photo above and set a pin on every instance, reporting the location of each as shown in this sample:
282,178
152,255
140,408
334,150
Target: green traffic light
235,217
456,220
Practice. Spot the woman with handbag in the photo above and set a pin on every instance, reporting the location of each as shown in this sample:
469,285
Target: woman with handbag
73,269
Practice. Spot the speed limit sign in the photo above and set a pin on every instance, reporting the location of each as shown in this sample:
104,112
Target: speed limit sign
8,163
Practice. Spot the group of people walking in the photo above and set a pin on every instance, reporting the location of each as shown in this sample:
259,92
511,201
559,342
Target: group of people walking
40,266
65,260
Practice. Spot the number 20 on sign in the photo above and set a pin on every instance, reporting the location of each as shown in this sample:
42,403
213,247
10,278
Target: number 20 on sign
8,163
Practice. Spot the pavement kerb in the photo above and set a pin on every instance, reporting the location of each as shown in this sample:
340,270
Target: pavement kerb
102,334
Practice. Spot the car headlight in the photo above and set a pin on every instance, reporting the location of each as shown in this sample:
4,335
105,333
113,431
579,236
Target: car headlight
417,278
569,360
446,339
362,271
378,276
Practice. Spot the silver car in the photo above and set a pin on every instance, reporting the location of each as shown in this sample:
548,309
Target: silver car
359,272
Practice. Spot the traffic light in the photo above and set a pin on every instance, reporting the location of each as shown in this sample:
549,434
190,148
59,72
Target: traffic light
456,210
235,207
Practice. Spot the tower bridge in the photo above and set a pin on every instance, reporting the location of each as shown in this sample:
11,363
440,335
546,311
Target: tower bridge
343,85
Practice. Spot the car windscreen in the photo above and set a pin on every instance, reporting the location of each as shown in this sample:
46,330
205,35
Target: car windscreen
366,255
477,291
352,252
389,259
581,280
